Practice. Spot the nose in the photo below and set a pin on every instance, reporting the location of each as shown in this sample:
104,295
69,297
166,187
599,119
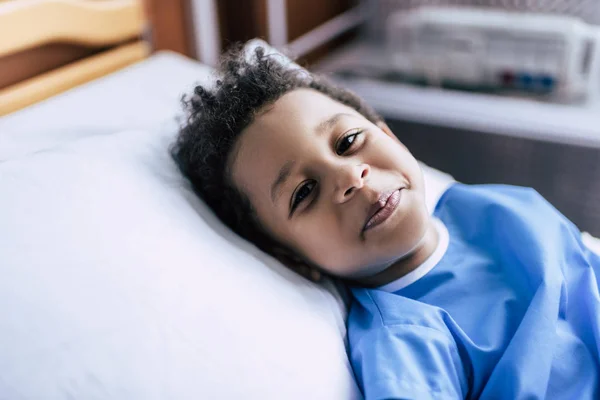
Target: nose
348,180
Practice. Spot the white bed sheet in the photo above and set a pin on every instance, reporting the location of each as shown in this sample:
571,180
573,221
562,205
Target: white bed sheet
100,141
142,96
117,283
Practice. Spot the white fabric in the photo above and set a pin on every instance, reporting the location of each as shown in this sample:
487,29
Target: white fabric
142,96
427,265
118,283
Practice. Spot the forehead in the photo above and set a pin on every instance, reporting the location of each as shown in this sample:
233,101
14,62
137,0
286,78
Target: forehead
303,108
283,131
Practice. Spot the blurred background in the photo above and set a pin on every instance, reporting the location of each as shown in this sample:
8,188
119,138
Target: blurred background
489,91
211,26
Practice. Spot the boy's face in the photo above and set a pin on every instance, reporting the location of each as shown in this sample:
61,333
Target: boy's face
318,174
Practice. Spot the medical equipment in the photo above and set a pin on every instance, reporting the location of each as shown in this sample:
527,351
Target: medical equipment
495,50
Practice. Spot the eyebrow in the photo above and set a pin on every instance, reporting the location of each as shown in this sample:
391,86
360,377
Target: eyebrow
330,122
284,174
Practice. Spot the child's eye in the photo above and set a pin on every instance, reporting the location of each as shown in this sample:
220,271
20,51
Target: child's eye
347,142
303,191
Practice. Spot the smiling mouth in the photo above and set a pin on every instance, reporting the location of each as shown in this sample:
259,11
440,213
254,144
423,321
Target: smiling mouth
383,209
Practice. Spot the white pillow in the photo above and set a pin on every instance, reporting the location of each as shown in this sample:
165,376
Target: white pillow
116,282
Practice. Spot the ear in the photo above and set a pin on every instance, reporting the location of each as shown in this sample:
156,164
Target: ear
297,265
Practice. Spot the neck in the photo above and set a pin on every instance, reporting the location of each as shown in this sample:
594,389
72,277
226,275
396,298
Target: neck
408,263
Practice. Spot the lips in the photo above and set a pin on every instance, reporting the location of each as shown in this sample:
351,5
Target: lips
382,209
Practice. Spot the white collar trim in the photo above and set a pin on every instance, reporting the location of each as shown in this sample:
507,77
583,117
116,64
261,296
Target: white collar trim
423,269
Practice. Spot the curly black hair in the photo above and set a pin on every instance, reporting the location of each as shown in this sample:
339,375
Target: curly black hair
216,117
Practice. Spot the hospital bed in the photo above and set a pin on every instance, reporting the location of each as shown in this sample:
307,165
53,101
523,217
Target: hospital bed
116,281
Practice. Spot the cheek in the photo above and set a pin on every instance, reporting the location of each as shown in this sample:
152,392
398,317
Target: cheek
394,156
320,239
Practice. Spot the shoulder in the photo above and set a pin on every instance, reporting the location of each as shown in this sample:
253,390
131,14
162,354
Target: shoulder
374,310
505,218
490,194
400,348
492,203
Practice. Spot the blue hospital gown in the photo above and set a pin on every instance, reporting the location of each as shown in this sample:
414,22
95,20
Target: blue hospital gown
511,311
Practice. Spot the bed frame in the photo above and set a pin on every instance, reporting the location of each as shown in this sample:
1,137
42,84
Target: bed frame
109,32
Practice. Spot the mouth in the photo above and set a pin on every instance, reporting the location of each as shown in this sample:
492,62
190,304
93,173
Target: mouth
382,209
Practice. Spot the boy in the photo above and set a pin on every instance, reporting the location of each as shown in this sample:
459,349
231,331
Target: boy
494,297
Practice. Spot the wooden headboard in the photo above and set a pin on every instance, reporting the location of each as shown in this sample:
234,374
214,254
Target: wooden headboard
49,46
